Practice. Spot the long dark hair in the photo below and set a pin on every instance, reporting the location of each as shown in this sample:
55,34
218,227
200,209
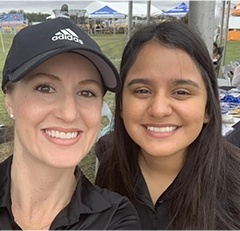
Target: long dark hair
206,192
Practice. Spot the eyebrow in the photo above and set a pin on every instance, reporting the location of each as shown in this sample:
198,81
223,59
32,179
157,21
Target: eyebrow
137,81
92,81
176,82
35,76
54,77
185,82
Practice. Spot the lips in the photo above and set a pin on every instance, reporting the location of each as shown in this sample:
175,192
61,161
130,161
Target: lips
61,134
161,129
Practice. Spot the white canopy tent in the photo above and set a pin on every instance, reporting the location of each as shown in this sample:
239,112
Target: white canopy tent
139,9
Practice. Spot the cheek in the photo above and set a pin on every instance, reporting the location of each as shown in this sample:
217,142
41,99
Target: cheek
196,115
28,107
125,109
92,115
130,116
203,113
128,103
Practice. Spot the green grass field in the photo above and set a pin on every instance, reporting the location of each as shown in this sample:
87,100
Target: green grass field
112,46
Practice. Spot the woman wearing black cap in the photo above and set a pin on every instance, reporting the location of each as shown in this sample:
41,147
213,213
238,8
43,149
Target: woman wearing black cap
54,79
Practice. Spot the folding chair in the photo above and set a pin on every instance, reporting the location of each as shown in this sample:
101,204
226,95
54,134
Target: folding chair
106,112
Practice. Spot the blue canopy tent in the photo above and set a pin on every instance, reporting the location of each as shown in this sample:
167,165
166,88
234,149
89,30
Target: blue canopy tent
178,11
106,13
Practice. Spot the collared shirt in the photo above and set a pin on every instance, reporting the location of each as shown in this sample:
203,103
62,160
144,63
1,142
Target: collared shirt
152,217
91,208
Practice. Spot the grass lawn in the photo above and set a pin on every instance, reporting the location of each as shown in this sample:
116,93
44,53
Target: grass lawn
112,46
233,51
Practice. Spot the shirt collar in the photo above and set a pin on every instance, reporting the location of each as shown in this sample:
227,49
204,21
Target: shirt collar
143,192
87,198
5,169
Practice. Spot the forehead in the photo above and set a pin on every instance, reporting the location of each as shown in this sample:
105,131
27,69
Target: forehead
165,57
164,63
67,65
162,53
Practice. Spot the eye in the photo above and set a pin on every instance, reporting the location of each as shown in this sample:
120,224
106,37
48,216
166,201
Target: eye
181,94
86,94
45,88
142,91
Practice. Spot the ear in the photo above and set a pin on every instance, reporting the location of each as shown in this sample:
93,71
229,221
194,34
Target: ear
206,118
9,104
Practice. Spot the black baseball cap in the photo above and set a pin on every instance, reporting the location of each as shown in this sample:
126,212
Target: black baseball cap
35,44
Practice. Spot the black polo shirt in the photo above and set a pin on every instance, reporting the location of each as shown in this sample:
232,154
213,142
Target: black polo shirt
91,208
152,217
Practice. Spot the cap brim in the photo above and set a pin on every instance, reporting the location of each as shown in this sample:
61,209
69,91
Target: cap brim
108,72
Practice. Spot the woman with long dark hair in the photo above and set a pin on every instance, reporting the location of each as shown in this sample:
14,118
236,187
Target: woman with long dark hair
168,154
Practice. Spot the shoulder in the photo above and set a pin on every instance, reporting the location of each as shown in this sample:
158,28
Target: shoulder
231,162
112,197
5,166
119,211
231,150
124,210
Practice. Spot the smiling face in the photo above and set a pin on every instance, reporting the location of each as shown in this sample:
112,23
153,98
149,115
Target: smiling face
163,101
57,110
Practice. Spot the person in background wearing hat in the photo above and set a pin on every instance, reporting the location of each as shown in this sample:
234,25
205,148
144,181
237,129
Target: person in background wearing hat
54,79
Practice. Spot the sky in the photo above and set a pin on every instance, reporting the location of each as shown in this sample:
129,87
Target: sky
47,6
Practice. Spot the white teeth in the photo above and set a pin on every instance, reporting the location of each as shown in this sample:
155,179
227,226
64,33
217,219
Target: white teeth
161,129
61,135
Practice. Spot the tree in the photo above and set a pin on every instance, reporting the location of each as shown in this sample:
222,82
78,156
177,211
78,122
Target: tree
36,17
31,17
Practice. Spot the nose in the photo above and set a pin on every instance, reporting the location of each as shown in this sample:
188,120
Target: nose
160,106
67,108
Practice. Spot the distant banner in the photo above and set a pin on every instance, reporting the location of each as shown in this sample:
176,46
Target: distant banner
11,19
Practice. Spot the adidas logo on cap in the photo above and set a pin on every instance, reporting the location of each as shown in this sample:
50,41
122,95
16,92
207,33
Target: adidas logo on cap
66,34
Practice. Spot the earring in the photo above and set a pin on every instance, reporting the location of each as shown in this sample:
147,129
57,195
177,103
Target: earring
11,116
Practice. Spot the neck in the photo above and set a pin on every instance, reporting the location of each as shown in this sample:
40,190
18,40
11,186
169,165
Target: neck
45,192
159,173
162,165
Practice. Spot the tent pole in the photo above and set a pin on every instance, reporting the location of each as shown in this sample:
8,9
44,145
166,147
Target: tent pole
148,11
130,6
222,23
88,26
114,27
226,33
2,42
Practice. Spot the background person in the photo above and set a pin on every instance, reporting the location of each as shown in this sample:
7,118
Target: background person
54,84
216,54
236,76
168,154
